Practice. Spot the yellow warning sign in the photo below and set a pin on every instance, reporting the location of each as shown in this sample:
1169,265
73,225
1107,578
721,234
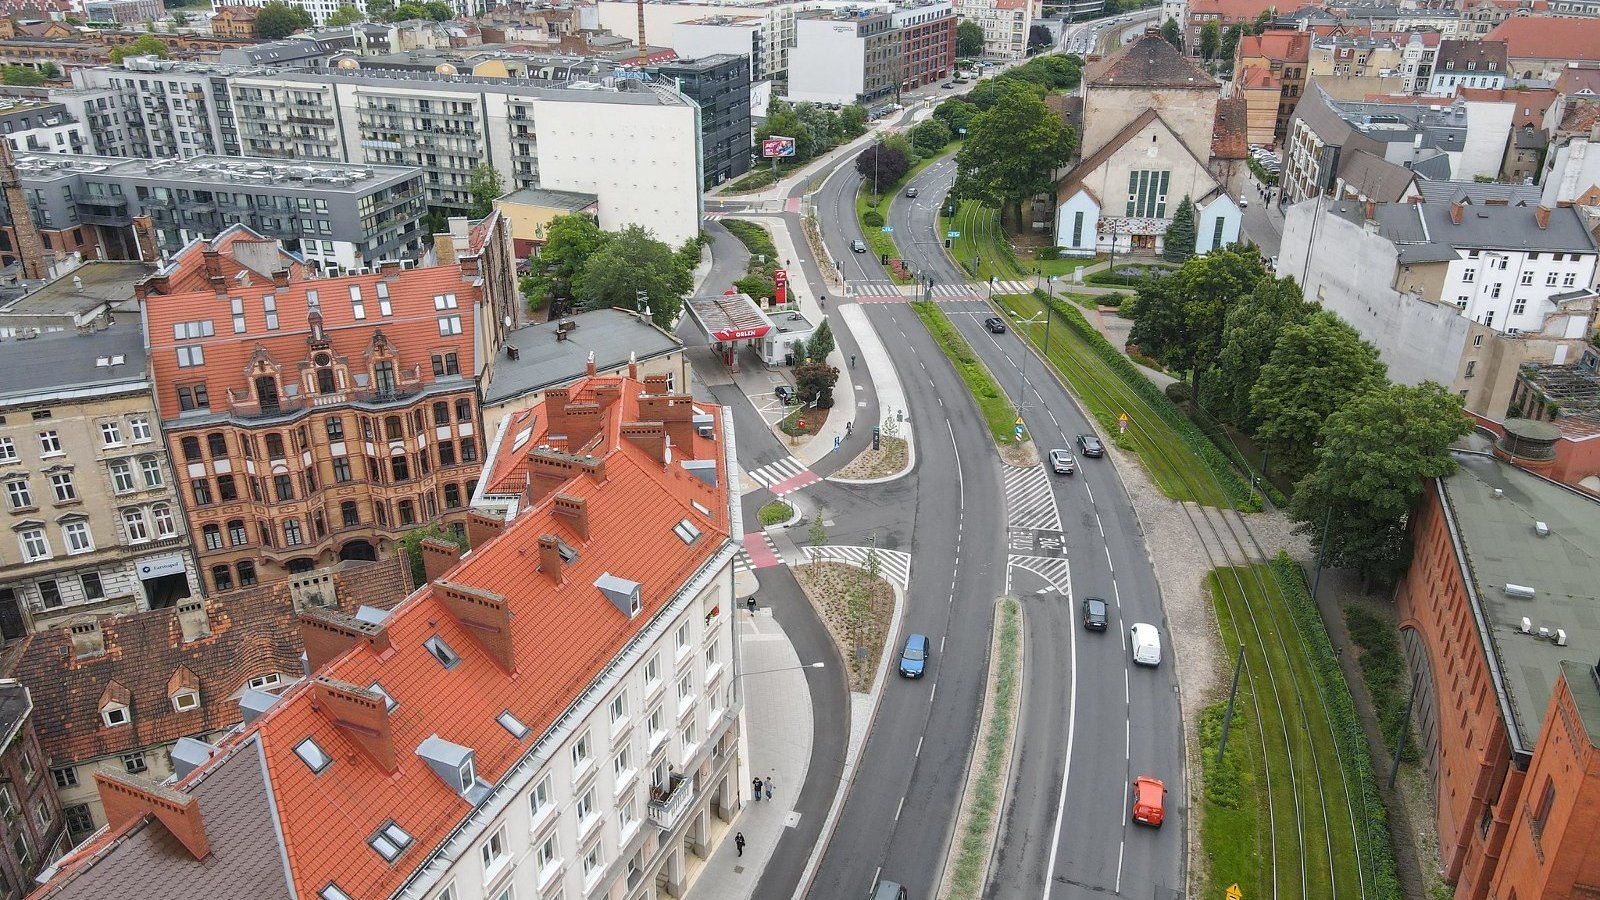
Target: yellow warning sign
1234,893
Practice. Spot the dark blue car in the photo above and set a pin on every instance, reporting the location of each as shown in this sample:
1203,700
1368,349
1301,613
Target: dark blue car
914,658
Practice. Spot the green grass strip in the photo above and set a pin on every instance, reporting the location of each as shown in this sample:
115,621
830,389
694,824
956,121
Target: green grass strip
975,841
997,410
775,513
1233,817
982,249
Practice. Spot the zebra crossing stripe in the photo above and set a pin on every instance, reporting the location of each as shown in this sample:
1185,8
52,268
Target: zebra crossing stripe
1030,499
782,470
893,565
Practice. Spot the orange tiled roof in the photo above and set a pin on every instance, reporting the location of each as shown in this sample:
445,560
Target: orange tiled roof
1278,44
186,271
1255,77
1530,104
559,638
1231,129
1542,37
1578,80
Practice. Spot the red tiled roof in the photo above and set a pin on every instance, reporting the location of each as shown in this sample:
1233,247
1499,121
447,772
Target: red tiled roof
1231,129
1530,104
252,633
1579,79
1255,78
186,270
1542,37
1278,44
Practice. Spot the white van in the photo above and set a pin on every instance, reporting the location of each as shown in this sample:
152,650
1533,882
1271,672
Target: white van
1146,644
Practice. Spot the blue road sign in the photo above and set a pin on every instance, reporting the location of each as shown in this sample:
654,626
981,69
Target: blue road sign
888,228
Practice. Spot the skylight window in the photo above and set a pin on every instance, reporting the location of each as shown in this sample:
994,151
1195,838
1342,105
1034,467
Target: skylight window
332,892
522,438
512,724
388,701
315,758
686,531
442,652
390,841
700,508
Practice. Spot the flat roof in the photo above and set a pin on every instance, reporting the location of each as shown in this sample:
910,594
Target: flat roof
1497,537
250,171
67,360
729,317
568,200
97,283
612,335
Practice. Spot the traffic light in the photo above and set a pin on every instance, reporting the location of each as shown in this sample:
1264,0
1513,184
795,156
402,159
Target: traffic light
883,259
947,243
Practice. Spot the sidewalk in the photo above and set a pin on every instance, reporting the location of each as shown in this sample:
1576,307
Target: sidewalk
777,723
885,380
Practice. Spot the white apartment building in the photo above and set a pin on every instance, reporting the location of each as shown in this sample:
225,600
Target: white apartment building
1005,24
745,35
776,31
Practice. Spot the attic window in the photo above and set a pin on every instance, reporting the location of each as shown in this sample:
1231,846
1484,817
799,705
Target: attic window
114,716
315,758
389,702
567,553
442,652
701,508
512,724
390,841
332,892
263,682
183,701
686,531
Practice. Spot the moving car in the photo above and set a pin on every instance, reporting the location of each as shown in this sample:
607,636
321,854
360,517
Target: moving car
911,192
858,245
1244,202
995,325
1146,641
1061,462
947,85
889,890
1149,800
1089,445
914,658
1094,614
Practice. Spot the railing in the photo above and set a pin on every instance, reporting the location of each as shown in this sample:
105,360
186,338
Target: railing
668,805
245,408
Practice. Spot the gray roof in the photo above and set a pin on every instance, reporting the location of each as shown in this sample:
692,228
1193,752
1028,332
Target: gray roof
1479,192
15,705
544,362
550,199
1496,536
1434,168
59,360
101,282
1424,232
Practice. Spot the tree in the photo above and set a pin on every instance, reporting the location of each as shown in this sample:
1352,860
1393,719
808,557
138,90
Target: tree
1316,368
969,38
1249,333
1012,151
279,20
484,185
882,166
569,242
783,120
1376,452
1039,37
180,19
1173,35
438,10
821,343
1230,41
345,15
853,121
955,113
930,136
412,540
50,71
630,265
21,76
146,45
817,534
406,12
1210,38
1178,244
813,382
1178,319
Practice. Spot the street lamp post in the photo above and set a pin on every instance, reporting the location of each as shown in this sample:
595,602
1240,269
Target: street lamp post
1049,313
1023,396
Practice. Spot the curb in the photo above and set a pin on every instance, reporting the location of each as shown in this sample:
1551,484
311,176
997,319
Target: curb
848,775
911,464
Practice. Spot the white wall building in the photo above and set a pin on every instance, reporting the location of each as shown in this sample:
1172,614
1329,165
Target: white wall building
776,31
1005,24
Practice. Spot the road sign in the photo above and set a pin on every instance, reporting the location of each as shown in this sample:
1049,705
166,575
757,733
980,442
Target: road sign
1234,893
1122,423
888,229
952,234
777,146
1019,422
1018,433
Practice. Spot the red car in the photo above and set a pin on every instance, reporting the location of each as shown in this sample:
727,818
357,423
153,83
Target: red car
1149,800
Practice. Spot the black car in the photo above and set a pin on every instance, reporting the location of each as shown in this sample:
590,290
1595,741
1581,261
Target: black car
1094,614
858,245
1089,445
784,393
995,325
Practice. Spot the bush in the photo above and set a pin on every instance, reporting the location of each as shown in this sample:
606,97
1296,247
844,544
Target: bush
775,513
1178,392
872,219
1383,668
757,286
1049,253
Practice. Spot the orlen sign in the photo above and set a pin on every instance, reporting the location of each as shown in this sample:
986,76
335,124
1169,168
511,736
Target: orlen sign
781,279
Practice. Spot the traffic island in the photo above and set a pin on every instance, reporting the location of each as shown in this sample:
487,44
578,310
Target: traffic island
857,607
892,458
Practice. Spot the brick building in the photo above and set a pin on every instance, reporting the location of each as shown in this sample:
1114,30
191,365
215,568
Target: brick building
927,43
30,815
315,419
236,22
1497,604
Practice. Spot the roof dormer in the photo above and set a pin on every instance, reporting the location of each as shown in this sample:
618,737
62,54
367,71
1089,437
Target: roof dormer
455,765
116,705
183,690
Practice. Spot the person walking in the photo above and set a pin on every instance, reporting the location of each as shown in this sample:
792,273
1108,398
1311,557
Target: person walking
751,603
849,427
755,784
769,787
852,360
738,842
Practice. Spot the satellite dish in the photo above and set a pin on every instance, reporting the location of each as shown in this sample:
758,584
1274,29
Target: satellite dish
348,63
444,69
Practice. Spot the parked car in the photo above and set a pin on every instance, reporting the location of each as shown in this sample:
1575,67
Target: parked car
947,85
995,324
911,192
1061,462
784,393
1089,445
1146,641
1149,800
858,245
1094,614
1244,202
914,658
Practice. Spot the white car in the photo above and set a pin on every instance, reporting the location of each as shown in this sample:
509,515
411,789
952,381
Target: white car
1146,642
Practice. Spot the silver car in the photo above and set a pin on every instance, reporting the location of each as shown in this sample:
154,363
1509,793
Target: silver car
1061,462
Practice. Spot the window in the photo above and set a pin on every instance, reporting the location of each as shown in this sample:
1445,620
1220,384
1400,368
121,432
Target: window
449,325
1147,193
545,855
1541,812
8,801
1471,365
332,892
1550,279
452,496
1519,306
20,843
50,593
512,724
408,512
77,538
626,816
463,414
446,364
139,426
341,469
165,525
686,687
79,820
110,433
585,806
18,494
442,652
213,537
283,487
1569,279
49,443
122,476
65,776
150,468
399,468
8,450
358,308
35,546
1477,340
133,763
652,670
682,637
593,862
1488,318
183,701
191,357
390,841
621,764
619,708
581,752
312,754
292,534
335,426
539,800
1527,277
275,446
493,852
222,578
444,301
1469,275
349,513
247,573
92,588
227,489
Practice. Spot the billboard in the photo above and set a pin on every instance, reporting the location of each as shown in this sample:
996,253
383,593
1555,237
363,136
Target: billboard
777,146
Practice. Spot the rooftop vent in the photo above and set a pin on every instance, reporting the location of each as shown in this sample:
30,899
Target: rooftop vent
1522,592
189,754
1541,529
622,593
254,703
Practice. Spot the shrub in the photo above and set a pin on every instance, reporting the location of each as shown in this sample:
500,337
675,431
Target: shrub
1178,392
757,286
1049,253
775,513
872,219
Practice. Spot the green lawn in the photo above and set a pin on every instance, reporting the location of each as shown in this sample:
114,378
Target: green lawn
992,402
775,513
1233,810
982,249
1181,474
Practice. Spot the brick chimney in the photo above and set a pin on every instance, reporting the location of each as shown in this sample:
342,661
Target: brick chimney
550,561
482,527
1541,216
361,713
574,511
555,411
30,246
211,260
327,633
583,420
651,437
607,393
589,365
144,237
280,278
1458,210
194,620
483,614
126,800
1372,210
439,557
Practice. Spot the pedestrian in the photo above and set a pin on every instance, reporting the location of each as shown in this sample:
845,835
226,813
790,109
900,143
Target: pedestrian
852,360
755,784
849,427
751,603
738,842
769,787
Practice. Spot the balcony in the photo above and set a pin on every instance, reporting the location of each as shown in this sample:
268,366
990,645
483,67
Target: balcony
104,211
669,805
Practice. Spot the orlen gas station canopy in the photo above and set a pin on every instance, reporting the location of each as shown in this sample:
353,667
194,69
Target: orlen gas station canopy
730,317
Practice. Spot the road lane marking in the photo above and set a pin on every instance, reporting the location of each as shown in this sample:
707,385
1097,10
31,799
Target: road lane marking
898,808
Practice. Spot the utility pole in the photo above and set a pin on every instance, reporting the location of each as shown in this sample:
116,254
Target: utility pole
1227,714
1322,553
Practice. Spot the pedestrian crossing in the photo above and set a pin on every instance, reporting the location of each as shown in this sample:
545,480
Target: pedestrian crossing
785,476
888,292
1030,499
893,565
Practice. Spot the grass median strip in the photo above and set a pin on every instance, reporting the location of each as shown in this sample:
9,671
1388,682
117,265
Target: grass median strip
980,806
997,411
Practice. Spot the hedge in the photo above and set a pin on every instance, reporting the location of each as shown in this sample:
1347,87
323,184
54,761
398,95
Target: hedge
1380,881
1244,499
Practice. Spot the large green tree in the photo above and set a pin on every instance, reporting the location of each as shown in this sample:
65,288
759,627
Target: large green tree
1178,243
630,265
569,242
1316,367
1172,33
930,136
1178,319
1376,452
955,113
822,342
279,20
1013,150
969,39
484,185
345,15
21,76
146,45
1249,333
1210,39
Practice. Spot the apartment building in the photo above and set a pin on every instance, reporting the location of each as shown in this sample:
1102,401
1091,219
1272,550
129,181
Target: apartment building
927,42
138,691
1461,292
1369,151
32,826
339,217
1005,24
745,35
90,497
1269,69
105,125
168,109
848,55
42,127
720,86
1356,66
1479,17
1540,48
1468,64
316,419
553,714
1226,13
717,27
318,10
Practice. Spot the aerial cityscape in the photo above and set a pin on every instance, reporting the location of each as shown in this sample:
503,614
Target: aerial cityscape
785,449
